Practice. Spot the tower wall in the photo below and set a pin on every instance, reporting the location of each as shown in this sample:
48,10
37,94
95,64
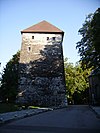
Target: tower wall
41,70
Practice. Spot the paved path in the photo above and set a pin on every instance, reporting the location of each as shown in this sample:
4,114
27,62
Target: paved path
73,119
7,117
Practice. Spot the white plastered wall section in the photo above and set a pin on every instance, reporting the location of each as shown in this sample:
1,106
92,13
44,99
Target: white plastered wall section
31,47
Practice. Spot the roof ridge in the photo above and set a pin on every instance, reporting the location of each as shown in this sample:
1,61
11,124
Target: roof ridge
44,27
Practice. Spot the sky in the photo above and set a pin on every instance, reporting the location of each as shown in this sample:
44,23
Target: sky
68,15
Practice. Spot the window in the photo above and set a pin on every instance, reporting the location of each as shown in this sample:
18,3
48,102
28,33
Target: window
29,49
53,38
32,37
47,38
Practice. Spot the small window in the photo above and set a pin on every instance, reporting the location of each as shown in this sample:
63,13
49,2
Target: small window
47,38
32,37
53,38
29,49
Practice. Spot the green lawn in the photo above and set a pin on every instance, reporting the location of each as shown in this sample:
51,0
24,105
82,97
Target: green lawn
8,107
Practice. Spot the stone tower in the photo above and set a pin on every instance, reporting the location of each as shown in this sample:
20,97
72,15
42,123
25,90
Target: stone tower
41,68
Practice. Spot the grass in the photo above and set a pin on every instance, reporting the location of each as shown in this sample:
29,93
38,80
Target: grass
34,107
11,107
8,107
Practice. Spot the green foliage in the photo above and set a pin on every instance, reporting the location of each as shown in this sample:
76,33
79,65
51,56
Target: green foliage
89,46
9,81
8,107
76,83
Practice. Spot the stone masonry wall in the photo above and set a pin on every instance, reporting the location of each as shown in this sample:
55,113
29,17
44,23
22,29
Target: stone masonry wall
41,75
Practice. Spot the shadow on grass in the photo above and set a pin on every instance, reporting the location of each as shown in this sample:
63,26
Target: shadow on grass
11,107
8,107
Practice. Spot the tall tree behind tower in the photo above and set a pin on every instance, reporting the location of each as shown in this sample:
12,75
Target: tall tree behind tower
89,46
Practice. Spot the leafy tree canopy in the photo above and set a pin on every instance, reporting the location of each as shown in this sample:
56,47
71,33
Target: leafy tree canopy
76,83
9,81
89,46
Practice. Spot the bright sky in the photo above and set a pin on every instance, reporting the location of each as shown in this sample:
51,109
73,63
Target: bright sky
16,15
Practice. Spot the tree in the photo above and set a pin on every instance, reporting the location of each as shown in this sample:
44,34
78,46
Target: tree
76,83
89,46
9,81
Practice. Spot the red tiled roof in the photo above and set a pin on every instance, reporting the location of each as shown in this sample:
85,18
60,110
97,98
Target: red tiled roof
44,27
